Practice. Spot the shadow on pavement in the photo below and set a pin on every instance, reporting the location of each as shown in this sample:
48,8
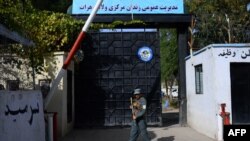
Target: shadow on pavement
170,118
171,138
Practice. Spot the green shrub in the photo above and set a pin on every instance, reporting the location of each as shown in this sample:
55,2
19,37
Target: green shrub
174,103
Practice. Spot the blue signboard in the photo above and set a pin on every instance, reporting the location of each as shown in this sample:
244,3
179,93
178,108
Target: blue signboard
129,7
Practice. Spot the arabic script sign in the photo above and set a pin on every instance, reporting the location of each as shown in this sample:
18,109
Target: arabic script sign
21,116
242,53
130,7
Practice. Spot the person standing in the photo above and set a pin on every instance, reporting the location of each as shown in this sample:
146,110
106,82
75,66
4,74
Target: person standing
138,124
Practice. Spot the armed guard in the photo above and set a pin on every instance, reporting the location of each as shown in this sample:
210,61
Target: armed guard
138,124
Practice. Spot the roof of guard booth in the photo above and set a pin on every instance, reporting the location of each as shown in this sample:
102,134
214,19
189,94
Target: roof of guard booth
232,45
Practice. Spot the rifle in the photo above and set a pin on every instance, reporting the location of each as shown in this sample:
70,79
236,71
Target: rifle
132,107
135,106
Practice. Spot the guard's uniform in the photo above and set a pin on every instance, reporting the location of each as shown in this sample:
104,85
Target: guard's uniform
138,126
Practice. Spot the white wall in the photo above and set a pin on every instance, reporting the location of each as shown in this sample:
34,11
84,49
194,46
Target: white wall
21,116
58,102
203,109
222,67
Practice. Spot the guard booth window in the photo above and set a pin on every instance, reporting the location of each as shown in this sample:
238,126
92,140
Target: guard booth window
198,79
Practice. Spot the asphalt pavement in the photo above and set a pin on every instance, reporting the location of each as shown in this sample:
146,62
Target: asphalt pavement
170,131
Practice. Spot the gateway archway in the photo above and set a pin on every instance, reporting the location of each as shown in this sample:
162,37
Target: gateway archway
111,70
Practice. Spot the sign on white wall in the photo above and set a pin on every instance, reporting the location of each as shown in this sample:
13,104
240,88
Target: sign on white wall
130,6
239,53
21,116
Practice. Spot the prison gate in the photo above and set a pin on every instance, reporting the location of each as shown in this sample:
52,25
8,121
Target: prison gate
116,62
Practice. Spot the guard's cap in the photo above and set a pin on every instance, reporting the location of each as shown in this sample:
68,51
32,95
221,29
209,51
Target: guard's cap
137,91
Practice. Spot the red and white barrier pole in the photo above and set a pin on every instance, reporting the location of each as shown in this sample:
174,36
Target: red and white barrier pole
82,34
71,53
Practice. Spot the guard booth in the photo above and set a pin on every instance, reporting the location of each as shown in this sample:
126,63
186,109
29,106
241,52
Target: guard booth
116,61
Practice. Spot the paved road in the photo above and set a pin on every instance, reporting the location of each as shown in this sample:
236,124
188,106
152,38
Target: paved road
170,131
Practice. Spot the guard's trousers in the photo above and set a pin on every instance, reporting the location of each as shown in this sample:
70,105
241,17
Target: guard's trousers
137,128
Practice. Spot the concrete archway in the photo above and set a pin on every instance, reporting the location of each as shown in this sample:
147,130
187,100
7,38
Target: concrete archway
179,21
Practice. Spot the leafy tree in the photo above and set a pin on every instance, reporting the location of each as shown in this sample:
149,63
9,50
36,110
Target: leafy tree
219,21
169,57
49,31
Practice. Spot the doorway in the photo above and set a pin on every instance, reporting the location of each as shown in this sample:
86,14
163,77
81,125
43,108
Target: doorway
240,92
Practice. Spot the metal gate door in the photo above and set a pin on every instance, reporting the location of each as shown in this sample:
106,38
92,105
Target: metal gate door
240,92
111,69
